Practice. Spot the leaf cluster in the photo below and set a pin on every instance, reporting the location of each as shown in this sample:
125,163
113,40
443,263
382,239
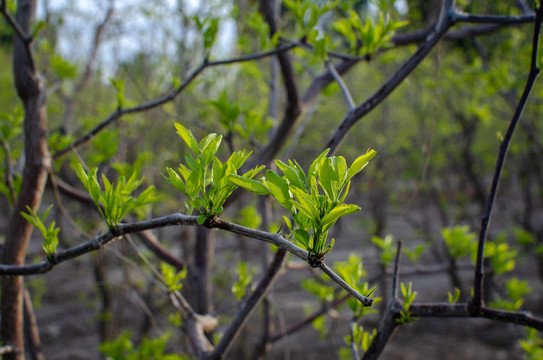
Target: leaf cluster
115,201
49,233
205,179
314,200
370,36
123,348
172,278
409,296
245,277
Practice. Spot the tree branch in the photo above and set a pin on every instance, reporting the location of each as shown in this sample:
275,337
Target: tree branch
442,26
248,307
477,301
364,300
344,89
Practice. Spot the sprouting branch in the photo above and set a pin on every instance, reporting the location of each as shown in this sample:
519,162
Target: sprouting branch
460,310
504,148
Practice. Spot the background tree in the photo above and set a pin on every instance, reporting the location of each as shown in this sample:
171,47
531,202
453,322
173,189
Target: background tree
168,114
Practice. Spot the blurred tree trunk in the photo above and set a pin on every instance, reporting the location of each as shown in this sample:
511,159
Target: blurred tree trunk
37,160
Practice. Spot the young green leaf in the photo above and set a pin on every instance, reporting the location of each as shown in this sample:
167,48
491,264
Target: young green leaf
291,174
187,136
249,184
279,188
360,163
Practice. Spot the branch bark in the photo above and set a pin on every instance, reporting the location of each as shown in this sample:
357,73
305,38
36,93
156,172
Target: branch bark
30,89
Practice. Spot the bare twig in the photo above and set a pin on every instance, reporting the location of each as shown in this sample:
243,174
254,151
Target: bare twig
365,300
396,277
195,329
477,301
342,85
309,320
388,324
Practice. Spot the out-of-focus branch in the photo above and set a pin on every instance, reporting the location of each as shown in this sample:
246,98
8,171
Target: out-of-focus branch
342,85
248,307
388,324
170,96
293,105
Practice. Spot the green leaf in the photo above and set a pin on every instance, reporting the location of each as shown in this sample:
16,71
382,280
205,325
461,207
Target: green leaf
250,184
343,209
316,164
303,237
187,136
174,179
209,149
291,174
201,219
279,188
360,163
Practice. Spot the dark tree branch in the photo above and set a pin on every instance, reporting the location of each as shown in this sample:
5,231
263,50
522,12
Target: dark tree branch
388,324
248,307
21,33
85,78
494,19
477,301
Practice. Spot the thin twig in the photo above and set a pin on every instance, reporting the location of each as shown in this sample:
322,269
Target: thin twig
504,148
365,300
396,277
342,85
